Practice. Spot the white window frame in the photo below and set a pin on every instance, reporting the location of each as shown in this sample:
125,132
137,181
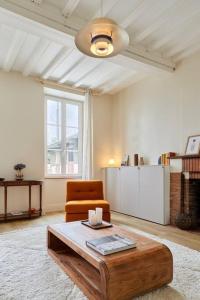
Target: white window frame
63,102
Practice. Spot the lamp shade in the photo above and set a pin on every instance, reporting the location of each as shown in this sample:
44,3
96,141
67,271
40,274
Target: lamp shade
101,37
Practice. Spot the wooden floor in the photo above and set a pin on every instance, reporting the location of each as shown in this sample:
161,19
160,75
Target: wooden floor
185,238
189,239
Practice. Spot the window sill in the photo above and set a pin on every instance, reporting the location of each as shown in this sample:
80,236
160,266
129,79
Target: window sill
63,177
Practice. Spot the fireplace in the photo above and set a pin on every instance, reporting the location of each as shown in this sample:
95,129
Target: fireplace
185,189
191,197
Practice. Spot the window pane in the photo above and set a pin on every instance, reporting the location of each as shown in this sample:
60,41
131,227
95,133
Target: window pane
71,138
53,112
53,137
64,137
72,162
71,115
54,162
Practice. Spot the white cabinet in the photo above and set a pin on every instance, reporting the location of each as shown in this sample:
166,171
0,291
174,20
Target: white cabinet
129,189
153,199
142,192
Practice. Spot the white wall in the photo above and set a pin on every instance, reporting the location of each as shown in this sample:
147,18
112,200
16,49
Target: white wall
102,133
21,125
157,115
22,139
21,133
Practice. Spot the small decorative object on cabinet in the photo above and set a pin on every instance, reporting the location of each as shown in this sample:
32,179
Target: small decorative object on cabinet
19,174
165,158
193,145
136,159
141,161
125,161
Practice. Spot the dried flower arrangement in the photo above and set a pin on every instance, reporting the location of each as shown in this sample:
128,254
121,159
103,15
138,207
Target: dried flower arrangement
19,167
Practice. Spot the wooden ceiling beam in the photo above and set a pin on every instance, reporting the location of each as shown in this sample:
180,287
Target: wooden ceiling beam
187,52
45,18
14,49
135,78
169,8
63,87
55,62
178,24
14,18
67,74
70,6
147,57
91,77
37,2
35,56
192,38
107,7
136,11
113,81
103,78
85,74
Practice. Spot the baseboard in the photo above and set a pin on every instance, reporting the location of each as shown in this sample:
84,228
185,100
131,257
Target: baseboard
54,207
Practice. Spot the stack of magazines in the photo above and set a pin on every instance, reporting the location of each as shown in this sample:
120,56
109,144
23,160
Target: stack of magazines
111,244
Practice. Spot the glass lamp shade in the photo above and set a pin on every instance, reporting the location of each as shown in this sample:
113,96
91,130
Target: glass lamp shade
101,38
101,45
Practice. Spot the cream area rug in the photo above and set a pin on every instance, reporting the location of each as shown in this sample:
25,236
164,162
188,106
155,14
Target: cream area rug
27,272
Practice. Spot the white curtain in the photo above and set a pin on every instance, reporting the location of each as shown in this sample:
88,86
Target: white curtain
87,167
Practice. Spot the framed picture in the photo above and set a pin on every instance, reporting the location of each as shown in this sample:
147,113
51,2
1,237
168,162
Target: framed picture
193,145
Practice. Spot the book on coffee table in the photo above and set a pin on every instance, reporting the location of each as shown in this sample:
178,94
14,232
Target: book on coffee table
111,244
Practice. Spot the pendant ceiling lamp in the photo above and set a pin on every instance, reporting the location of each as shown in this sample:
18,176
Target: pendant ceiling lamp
102,37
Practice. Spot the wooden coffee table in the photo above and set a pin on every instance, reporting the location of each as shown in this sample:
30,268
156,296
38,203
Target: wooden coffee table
122,275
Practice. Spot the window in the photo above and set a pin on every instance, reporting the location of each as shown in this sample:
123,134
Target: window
63,137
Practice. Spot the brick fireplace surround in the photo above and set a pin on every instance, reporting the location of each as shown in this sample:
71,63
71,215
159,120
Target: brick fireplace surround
185,185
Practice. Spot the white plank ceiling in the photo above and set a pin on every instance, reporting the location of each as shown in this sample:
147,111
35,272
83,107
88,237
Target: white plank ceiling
37,39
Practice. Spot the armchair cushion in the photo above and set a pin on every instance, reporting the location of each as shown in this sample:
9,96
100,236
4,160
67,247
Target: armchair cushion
84,190
83,206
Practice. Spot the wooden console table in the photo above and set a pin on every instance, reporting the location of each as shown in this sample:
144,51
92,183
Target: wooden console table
25,214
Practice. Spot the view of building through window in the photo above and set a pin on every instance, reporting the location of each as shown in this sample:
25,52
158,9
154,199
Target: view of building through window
64,137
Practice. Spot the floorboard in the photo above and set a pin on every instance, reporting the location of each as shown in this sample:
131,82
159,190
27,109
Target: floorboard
189,239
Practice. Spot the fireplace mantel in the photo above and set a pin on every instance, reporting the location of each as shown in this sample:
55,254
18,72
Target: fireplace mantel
185,156
189,164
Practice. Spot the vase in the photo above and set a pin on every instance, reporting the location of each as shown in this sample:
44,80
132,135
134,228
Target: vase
19,175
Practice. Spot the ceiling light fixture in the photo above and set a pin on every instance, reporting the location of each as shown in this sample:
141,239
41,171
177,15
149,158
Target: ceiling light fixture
102,37
101,45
